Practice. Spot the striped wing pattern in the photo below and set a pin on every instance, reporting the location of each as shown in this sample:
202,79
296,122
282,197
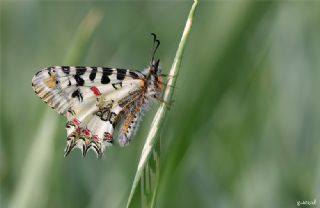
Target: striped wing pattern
95,100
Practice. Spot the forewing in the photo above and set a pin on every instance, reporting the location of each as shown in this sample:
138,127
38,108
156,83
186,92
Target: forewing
62,86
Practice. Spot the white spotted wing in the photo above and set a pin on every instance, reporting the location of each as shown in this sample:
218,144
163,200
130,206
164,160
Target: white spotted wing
97,99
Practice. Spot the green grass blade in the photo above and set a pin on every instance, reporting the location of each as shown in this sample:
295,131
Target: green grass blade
160,115
147,189
81,43
205,105
31,189
31,186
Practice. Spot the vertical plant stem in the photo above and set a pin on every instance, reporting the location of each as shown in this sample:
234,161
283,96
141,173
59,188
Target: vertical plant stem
162,110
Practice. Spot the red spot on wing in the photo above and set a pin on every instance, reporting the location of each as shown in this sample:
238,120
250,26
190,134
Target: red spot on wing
108,136
76,121
96,91
96,138
86,132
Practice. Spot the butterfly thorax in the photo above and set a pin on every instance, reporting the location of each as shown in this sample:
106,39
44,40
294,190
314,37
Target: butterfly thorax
153,83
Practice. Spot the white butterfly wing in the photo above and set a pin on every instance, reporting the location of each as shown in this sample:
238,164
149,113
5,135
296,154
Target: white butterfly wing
92,99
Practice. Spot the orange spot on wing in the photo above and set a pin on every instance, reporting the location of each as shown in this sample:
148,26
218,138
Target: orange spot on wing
127,122
142,83
51,81
160,83
125,127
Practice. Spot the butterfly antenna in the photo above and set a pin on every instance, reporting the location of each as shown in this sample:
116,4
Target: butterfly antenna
155,46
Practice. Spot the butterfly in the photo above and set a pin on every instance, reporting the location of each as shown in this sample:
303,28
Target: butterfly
98,100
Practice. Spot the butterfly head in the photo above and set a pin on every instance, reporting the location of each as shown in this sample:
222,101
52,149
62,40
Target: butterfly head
155,69
154,83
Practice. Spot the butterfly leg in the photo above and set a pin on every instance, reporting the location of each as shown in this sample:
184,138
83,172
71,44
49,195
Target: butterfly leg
167,104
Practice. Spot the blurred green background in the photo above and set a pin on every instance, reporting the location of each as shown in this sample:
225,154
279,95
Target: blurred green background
243,130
